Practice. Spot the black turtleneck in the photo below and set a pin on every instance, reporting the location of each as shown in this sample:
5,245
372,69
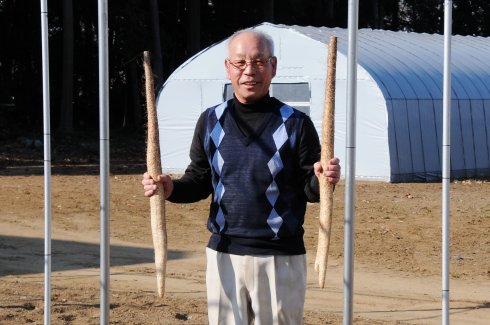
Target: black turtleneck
196,184
251,118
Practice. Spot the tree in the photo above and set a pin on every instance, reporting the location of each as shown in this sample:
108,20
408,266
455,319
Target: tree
20,65
470,17
66,110
156,49
193,8
422,16
269,11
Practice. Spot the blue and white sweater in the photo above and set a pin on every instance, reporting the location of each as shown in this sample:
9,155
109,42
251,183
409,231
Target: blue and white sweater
258,168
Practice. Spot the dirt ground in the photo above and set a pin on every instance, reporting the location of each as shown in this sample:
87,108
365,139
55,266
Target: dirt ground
397,252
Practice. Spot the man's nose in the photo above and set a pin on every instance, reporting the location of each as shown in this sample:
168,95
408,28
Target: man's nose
249,68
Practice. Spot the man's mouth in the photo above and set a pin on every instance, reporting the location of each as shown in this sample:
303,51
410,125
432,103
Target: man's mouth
250,83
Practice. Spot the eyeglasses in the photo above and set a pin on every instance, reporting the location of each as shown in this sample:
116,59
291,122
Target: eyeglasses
241,65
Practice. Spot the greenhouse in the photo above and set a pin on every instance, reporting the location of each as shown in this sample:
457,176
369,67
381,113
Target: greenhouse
399,99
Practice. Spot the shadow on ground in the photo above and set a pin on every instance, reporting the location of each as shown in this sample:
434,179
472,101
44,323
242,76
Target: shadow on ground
25,255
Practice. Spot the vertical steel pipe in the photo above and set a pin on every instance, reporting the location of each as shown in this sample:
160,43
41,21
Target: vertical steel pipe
104,160
350,162
446,162
47,161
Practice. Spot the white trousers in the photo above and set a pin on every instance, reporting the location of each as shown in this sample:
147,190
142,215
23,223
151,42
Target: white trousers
259,290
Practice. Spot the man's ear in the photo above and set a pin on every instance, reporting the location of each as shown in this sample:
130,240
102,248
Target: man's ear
274,65
227,68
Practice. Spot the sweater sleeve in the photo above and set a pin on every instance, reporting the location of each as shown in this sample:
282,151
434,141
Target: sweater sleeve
195,184
308,155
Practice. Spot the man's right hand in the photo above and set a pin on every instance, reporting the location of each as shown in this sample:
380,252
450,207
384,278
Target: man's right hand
150,185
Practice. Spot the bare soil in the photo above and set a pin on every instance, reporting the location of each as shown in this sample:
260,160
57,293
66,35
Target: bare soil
397,249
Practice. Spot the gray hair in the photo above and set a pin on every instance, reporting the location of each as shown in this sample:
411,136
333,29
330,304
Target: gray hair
265,39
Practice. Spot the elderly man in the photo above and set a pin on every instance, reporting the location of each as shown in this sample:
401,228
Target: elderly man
259,158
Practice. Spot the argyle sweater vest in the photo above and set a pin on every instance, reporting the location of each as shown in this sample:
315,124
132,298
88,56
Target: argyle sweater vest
258,204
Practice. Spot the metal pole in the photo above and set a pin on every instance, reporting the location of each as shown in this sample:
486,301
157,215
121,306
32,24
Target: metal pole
446,154
104,160
47,162
349,218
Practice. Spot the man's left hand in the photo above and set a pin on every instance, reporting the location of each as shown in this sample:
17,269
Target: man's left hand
331,172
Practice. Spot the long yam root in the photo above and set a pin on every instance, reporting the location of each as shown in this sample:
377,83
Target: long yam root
157,201
327,153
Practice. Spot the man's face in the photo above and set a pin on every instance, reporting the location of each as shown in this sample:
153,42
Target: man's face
249,67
